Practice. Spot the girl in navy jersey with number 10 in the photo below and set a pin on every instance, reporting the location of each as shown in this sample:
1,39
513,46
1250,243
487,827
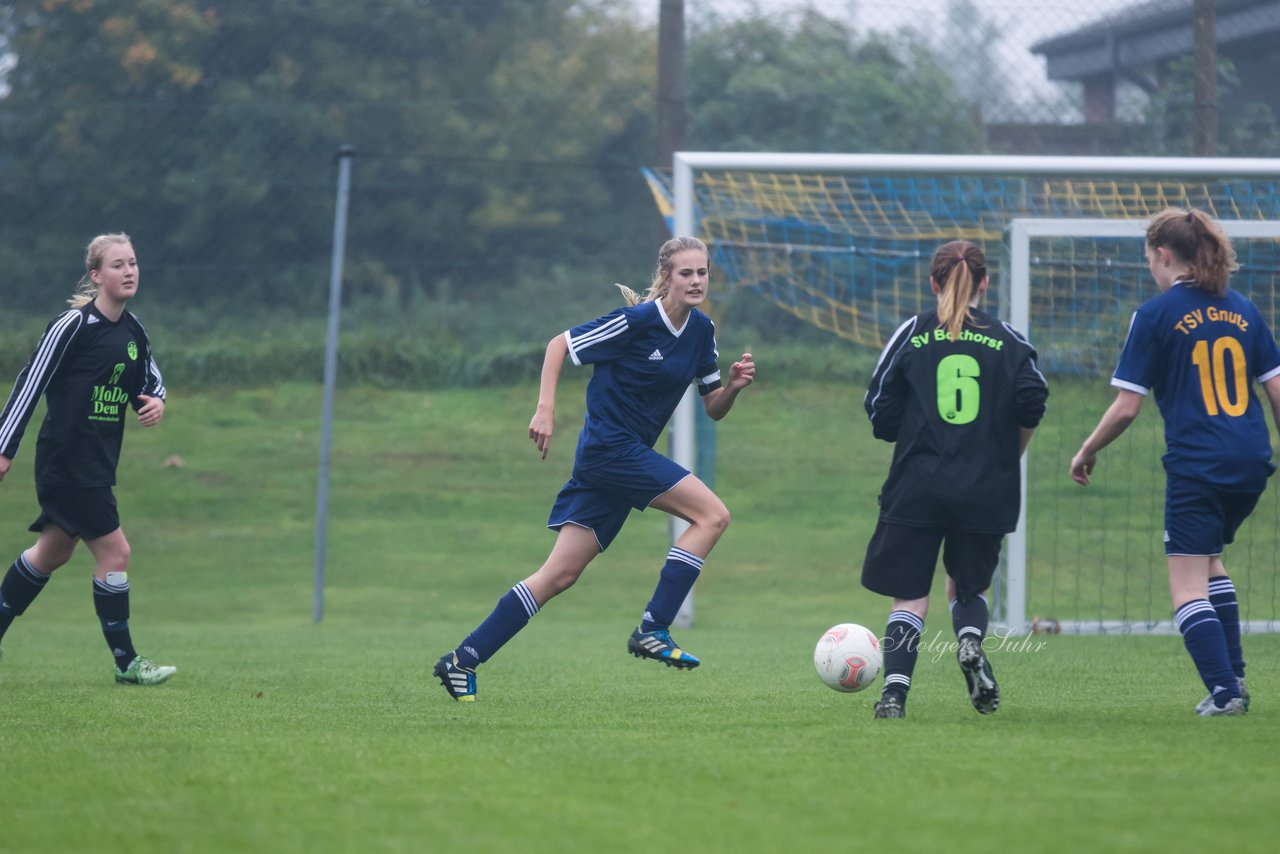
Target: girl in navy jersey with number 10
92,363
645,355
1197,346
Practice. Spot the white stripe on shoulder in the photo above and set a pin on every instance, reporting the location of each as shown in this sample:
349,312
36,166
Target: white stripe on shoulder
1128,386
902,332
42,368
1015,333
603,332
1274,372
568,342
896,342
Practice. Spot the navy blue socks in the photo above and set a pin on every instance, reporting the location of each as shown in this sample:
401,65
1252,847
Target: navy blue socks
509,616
1206,642
1222,596
674,583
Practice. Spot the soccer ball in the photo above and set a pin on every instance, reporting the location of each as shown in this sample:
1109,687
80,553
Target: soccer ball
848,657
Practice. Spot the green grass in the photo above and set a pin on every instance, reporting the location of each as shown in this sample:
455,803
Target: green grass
279,734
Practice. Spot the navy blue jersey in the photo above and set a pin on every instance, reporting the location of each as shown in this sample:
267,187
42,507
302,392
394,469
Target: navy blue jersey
90,371
643,365
953,410
1199,353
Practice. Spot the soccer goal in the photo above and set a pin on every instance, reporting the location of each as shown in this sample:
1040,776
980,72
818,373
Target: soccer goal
844,243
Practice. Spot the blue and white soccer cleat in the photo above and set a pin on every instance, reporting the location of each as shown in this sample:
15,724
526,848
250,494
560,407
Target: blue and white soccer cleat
1202,708
659,646
457,680
1234,708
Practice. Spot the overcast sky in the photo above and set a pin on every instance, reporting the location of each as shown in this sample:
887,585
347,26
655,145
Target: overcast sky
1021,23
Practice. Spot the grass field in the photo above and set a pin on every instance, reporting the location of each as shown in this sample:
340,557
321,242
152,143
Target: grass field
282,735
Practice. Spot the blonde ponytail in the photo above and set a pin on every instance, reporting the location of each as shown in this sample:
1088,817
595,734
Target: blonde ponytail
957,270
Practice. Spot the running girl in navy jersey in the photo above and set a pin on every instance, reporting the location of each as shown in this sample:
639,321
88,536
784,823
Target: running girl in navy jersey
1197,346
92,363
959,394
645,355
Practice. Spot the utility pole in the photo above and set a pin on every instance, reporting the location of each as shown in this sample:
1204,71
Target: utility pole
672,116
672,119
1205,47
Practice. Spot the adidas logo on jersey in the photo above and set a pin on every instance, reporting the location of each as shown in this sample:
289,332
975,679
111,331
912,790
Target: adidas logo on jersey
655,356
92,319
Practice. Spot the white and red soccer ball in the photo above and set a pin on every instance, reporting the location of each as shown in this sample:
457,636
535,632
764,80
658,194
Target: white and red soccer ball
848,657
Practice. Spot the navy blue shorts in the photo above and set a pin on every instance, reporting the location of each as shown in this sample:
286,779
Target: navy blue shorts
901,559
601,497
1201,519
87,512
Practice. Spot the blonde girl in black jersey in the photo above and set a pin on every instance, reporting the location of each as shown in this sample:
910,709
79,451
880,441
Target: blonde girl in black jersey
92,363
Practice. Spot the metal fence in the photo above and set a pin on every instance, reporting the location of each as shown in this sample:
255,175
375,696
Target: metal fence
501,142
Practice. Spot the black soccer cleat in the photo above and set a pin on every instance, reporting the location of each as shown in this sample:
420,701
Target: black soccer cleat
891,705
457,680
983,690
659,646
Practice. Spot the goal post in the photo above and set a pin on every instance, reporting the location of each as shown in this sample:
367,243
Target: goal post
843,241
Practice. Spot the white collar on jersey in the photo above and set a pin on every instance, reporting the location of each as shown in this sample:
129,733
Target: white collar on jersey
663,312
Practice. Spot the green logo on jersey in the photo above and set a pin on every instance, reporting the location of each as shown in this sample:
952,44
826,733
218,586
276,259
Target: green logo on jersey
108,401
132,350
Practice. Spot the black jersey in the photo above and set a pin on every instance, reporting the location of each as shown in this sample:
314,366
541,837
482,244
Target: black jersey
953,408
90,371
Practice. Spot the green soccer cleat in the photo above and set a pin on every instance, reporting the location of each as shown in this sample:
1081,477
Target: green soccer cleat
659,646
141,671
457,680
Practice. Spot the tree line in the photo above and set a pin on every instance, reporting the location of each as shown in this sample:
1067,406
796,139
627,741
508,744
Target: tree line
499,142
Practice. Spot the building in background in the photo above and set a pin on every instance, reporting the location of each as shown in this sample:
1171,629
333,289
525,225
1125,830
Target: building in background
1124,59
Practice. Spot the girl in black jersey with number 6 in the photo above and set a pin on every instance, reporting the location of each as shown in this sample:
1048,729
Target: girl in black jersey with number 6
92,363
958,393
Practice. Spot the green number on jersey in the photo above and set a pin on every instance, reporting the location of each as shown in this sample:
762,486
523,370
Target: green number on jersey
958,389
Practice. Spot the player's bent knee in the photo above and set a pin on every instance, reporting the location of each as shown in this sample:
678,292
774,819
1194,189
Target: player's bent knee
719,520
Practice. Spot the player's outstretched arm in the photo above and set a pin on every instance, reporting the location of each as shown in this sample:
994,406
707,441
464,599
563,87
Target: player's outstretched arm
1272,388
1114,421
741,374
544,417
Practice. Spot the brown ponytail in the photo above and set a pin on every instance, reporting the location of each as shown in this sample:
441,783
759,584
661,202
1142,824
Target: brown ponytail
1199,242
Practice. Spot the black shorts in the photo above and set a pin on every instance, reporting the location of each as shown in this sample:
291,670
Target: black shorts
901,559
87,512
